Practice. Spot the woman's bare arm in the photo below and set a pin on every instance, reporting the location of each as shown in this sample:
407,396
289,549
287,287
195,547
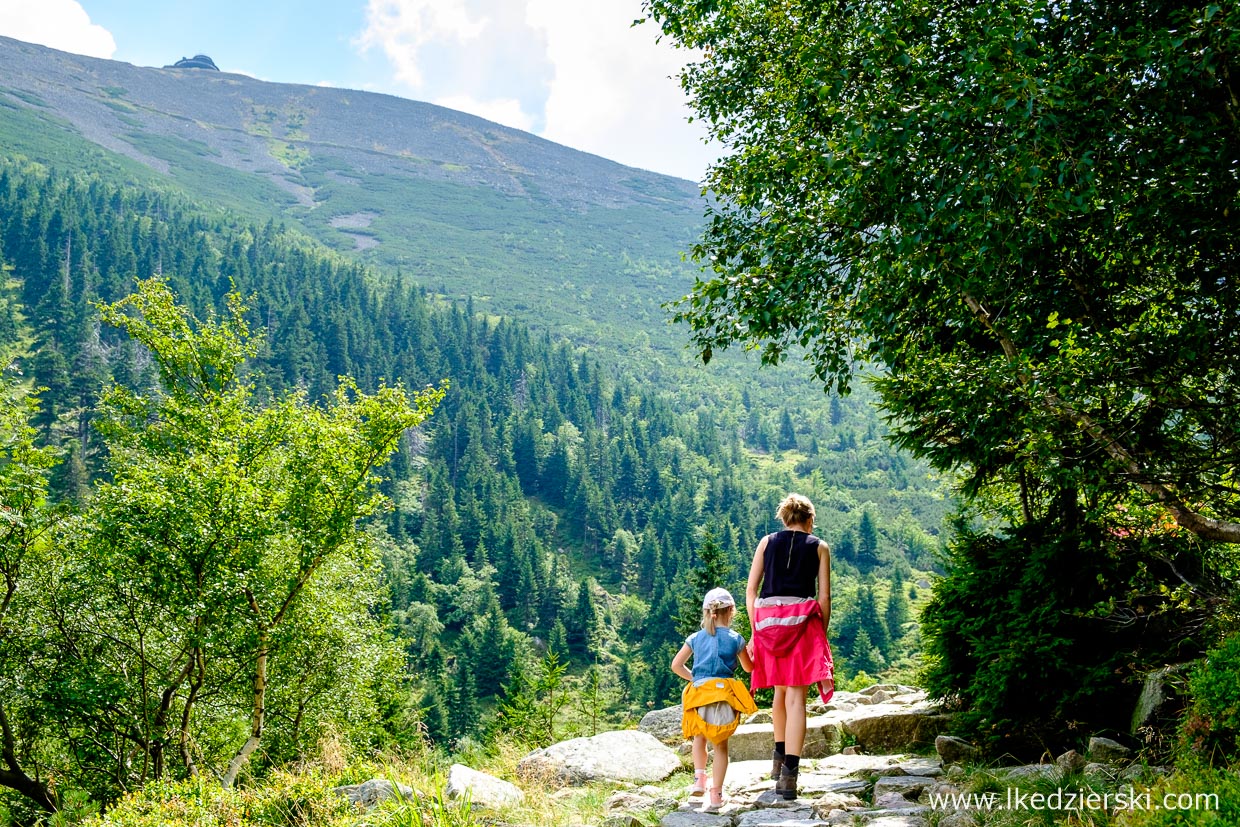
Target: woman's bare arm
824,583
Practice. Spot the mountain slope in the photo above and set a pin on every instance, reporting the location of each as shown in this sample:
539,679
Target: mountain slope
529,228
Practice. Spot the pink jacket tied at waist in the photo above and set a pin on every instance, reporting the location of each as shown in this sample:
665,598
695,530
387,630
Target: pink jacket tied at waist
790,646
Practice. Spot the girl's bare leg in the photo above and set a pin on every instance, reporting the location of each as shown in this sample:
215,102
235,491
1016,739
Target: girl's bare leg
720,769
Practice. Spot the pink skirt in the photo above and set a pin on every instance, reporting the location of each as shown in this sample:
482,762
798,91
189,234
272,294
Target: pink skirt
790,646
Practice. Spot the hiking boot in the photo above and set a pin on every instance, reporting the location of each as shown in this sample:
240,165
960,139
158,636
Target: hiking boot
777,765
786,786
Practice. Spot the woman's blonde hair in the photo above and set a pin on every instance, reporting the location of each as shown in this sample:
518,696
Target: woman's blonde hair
714,616
795,509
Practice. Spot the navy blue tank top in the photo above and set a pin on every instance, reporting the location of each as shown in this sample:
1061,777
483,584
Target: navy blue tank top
790,564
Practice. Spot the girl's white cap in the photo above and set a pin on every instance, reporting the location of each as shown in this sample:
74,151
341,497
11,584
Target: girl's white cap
717,597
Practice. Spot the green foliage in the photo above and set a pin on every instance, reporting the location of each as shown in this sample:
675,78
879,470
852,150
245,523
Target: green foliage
221,566
712,569
284,800
1211,728
1022,216
539,472
1196,795
1023,212
531,704
1023,633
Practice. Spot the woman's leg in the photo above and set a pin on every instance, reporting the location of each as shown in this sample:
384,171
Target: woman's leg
793,714
779,714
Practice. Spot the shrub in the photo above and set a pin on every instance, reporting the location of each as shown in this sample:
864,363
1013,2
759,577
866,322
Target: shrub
1211,729
1021,634
1196,796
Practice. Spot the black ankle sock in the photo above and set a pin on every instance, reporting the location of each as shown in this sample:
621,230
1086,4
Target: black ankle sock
779,747
792,763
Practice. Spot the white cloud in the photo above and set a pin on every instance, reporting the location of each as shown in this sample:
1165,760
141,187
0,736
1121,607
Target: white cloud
614,91
60,24
481,54
507,111
578,73
402,28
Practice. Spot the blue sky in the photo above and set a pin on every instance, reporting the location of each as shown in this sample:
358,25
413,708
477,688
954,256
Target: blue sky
572,71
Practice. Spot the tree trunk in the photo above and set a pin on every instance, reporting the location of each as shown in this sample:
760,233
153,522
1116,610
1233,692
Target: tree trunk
12,776
1207,528
257,715
200,677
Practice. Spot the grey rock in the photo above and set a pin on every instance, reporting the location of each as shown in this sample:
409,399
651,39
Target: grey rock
1100,770
628,801
754,742
1106,751
856,787
1071,761
373,792
928,767
481,789
1140,772
664,724
623,820
954,750
852,750
794,817
958,819
830,802
1031,771
694,818
880,696
623,755
890,801
1155,689
906,786
880,729
760,717
908,817
880,687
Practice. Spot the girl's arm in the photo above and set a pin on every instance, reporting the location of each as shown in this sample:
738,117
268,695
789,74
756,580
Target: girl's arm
678,662
744,658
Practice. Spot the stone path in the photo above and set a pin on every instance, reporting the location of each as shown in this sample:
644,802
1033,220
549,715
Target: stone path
838,789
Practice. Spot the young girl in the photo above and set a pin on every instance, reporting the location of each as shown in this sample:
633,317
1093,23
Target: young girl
713,701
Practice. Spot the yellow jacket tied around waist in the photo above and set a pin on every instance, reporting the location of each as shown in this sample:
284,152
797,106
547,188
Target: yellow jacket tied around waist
713,707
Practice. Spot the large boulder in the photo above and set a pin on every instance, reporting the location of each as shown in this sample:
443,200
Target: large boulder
1106,751
664,724
955,750
481,789
373,792
625,755
752,742
888,728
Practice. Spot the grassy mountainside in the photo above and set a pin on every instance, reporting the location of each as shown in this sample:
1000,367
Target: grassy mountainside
529,228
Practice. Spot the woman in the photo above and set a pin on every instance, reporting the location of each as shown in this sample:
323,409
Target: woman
789,603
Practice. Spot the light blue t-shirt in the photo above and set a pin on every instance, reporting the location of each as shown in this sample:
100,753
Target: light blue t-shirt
714,656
